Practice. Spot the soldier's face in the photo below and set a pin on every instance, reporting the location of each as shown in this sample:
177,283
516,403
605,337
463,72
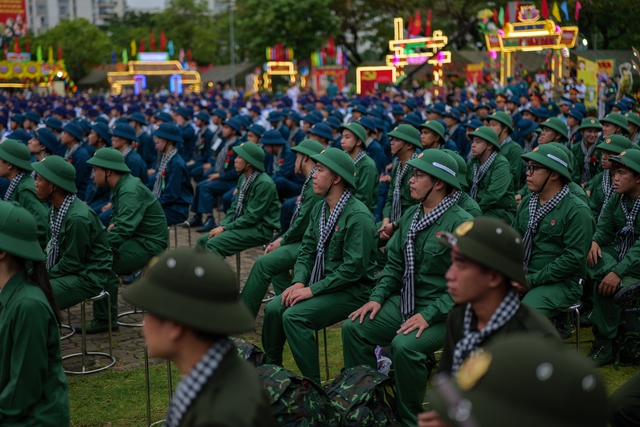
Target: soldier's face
5,168
159,335
420,184
633,128
93,138
349,141
608,129
428,138
117,142
590,136
396,145
547,135
467,281
240,164
323,178
43,187
478,146
606,164
625,181
252,137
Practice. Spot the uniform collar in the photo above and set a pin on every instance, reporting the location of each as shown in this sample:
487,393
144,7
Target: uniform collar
10,287
120,183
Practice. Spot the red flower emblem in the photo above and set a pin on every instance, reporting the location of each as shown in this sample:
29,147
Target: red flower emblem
164,173
593,159
230,153
135,145
553,222
280,162
69,160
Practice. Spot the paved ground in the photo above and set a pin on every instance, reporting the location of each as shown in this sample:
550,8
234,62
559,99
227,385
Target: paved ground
128,342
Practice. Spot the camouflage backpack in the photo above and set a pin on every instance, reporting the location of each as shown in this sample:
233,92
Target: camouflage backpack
362,396
626,345
249,352
296,400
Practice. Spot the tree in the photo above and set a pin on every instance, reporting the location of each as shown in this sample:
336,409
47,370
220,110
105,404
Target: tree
82,44
614,23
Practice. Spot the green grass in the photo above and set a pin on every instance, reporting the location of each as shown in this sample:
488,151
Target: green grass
118,398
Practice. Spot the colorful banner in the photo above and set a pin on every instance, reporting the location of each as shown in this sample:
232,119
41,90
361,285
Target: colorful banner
13,22
320,77
474,72
605,68
367,78
588,73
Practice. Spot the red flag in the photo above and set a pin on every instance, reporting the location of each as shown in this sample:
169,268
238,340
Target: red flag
410,28
16,45
331,47
189,55
323,54
416,28
515,18
163,41
578,7
506,15
152,41
59,53
544,9
28,44
428,28
495,17
141,46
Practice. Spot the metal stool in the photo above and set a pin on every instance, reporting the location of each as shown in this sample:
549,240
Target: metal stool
326,351
175,227
131,313
84,353
67,326
146,373
574,311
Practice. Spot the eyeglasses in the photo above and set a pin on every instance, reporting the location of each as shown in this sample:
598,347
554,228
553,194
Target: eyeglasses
531,169
417,175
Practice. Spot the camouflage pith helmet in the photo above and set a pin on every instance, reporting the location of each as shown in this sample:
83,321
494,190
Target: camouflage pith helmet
524,381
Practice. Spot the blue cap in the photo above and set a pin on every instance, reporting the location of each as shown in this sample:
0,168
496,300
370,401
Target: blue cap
168,131
20,135
125,131
103,130
272,137
333,121
53,123
275,116
138,118
473,123
257,129
220,113
323,130
235,124
74,130
164,117
47,138
575,113
367,123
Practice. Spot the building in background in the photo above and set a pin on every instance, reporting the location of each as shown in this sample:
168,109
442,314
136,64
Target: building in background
45,14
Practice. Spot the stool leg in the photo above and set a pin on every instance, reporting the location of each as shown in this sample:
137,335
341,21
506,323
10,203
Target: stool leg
147,388
577,314
238,269
175,234
84,334
110,329
189,234
169,381
326,353
169,239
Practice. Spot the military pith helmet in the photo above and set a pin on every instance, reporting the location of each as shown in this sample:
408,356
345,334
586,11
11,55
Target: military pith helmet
492,243
557,125
339,162
590,123
407,133
58,171
503,118
434,126
109,158
488,134
633,118
551,157
525,381
252,154
357,129
629,159
193,287
615,144
16,153
616,119
439,165
308,147
462,166
19,232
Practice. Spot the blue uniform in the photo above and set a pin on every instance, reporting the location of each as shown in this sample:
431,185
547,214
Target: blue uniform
297,137
375,151
137,165
284,130
147,149
188,145
83,171
459,137
178,192
202,154
288,183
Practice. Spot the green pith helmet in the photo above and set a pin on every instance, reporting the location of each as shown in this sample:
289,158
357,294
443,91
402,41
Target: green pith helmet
58,171
557,125
109,158
633,118
488,134
629,159
19,232
492,243
615,144
16,153
436,127
523,380
308,147
407,133
590,123
193,287
339,162
357,129
551,157
462,166
439,165
252,154
503,118
616,119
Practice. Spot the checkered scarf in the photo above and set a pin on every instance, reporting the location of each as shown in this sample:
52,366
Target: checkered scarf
359,156
222,154
417,225
192,384
479,172
71,151
473,339
296,212
626,236
396,204
456,196
158,186
127,150
56,225
243,193
12,186
535,216
586,152
607,189
505,142
275,163
325,229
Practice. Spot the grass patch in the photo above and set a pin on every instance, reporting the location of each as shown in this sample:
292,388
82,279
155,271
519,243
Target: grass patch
118,398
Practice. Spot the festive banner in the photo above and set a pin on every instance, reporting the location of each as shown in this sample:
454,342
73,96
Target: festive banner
605,68
474,73
13,17
588,73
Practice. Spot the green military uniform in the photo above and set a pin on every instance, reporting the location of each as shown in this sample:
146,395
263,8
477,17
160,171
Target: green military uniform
367,182
431,300
349,265
510,149
560,127
260,211
274,267
495,191
624,404
198,290
33,387
560,244
469,205
574,189
465,202
594,157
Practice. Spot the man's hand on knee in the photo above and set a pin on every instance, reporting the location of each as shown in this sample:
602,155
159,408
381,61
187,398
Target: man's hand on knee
370,307
414,322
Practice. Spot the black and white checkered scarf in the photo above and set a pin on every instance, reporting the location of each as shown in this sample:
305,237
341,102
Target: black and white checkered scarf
12,186
222,154
56,220
626,236
456,196
71,151
275,163
587,153
158,186
325,228
127,150
479,172
192,384
473,339
535,216
242,194
396,203
296,212
505,142
417,225
359,156
607,189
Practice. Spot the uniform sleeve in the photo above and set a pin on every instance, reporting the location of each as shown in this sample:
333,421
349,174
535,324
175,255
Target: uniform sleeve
172,186
390,280
230,174
29,363
436,312
359,236
631,261
74,247
367,182
388,204
446,358
126,220
299,226
605,230
288,168
497,187
255,207
307,255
